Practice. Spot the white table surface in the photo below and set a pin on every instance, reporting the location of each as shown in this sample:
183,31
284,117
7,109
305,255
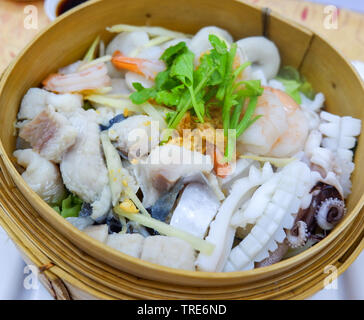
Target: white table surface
350,285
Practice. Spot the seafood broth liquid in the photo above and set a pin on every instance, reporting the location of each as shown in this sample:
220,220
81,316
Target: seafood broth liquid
66,5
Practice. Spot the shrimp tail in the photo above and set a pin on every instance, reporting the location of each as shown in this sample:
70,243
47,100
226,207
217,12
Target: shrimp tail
126,63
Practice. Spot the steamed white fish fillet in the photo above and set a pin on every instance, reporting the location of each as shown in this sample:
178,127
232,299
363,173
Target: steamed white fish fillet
128,243
195,210
36,100
104,115
33,103
98,232
135,136
83,168
41,175
65,103
169,251
50,134
166,164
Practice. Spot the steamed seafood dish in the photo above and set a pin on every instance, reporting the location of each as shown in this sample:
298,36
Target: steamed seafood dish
196,152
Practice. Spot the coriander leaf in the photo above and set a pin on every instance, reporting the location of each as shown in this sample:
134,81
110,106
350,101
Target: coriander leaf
169,116
245,122
171,53
182,68
218,44
251,88
207,72
142,94
164,81
168,98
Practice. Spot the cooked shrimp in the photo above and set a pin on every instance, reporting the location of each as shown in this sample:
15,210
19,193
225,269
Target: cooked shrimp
144,67
91,78
280,132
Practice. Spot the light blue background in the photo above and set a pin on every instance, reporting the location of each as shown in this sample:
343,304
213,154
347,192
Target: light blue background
357,5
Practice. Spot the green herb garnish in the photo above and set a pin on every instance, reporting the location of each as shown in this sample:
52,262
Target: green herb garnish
70,207
214,82
294,83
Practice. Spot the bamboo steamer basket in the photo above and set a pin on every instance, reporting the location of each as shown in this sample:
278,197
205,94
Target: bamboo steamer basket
73,265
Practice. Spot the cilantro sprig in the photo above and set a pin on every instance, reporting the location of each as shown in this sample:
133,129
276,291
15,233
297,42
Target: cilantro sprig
215,81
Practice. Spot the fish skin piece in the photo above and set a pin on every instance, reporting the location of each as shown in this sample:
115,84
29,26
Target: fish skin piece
195,210
134,136
50,134
158,172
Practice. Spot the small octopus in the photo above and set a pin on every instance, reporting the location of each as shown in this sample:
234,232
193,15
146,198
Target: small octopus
326,210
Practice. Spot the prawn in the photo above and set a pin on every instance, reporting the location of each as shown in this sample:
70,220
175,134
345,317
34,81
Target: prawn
90,78
143,67
280,132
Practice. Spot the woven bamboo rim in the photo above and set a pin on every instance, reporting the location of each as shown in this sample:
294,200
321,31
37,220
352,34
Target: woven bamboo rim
50,243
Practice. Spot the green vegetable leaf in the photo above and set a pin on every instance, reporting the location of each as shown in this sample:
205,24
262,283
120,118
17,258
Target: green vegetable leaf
292,89
182,68
168,98
251,88
164,81
290,77
171,53
87,105
218,44
70,207
142,94
289,73
307,90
